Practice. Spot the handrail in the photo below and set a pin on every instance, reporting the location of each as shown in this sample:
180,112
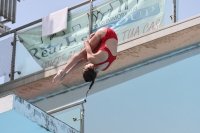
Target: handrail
40,20
67,106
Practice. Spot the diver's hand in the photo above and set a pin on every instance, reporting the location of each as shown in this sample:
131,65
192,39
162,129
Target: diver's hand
91,35
58,77
86,42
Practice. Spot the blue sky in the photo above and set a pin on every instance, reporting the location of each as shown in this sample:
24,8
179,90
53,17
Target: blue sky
171,104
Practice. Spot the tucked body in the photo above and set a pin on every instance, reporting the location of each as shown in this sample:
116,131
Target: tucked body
99,53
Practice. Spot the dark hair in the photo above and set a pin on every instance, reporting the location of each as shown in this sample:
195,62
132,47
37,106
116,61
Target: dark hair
89,75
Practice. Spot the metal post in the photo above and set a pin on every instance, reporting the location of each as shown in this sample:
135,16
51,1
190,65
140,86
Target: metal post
90,17
6,9
13,57
2,8
10,10
82,118
174,11
13,17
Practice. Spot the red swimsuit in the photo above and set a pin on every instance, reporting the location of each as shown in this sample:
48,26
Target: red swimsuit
109,34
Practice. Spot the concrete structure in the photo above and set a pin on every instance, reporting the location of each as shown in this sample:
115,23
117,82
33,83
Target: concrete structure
18,113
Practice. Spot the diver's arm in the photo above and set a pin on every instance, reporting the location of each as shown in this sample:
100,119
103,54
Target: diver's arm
90,56
74,68
94,40
74,60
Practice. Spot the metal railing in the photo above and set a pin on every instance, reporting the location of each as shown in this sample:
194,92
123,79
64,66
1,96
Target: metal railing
81,102
173,18
36,22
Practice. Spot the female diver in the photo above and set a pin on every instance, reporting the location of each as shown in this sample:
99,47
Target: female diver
100,51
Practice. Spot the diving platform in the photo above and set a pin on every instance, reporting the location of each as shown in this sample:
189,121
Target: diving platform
19,116
143,49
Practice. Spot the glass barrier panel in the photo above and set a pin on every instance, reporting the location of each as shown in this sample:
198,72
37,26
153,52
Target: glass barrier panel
5,59
24,61
70,117
2,80
168,12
